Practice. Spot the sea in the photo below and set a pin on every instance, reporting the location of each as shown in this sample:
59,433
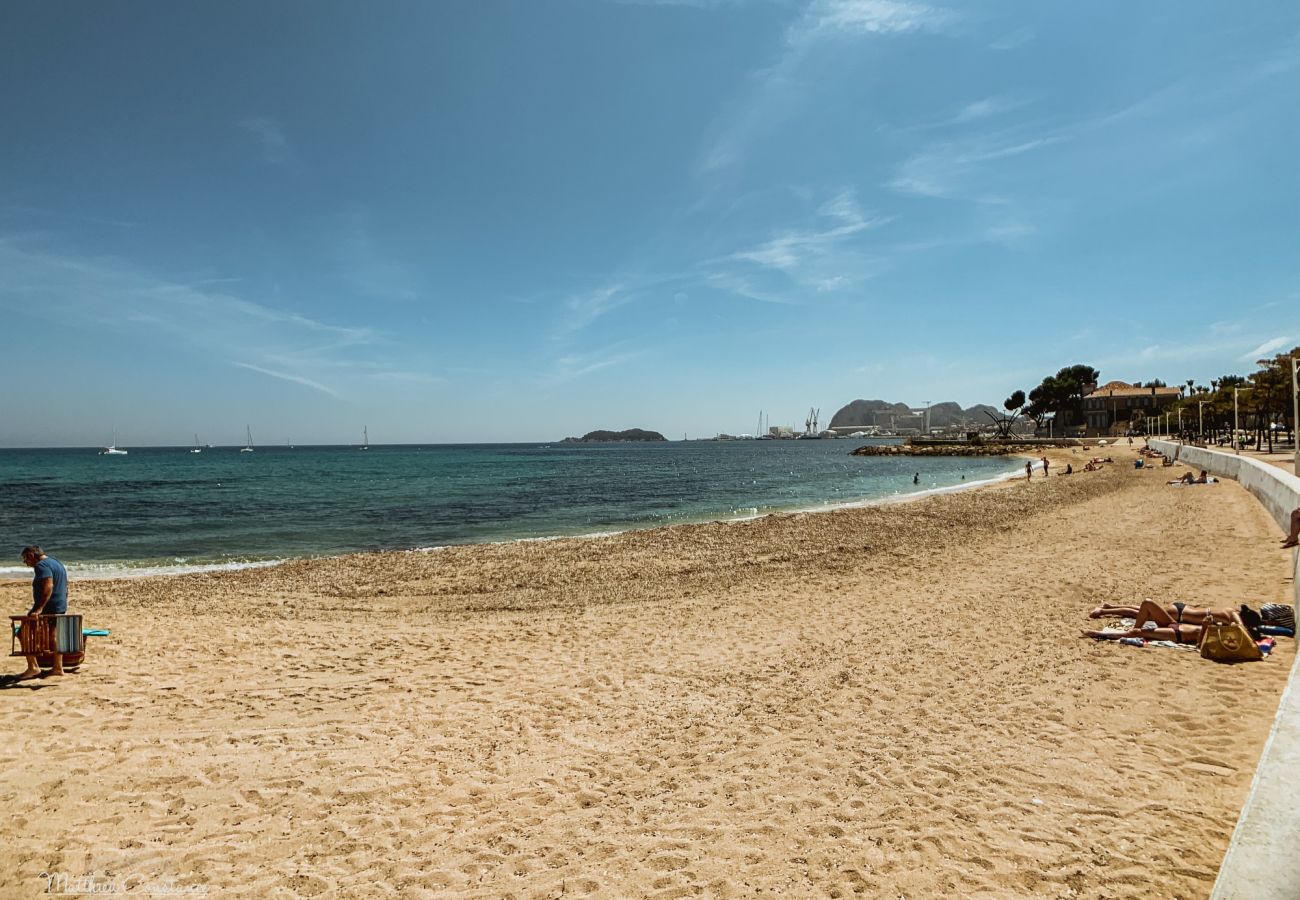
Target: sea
166,510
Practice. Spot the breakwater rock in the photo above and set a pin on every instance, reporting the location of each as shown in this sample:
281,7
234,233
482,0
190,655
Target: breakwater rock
955,449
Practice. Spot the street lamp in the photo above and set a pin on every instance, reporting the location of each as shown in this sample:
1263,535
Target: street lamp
1295,410
1236,426
1200,417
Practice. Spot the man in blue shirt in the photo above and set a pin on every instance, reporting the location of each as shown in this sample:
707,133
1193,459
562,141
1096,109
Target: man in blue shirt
49,598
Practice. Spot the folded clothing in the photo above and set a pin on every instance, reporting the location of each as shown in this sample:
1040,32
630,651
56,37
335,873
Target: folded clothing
1277,631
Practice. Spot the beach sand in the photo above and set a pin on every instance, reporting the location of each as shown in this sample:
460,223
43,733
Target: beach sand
884,702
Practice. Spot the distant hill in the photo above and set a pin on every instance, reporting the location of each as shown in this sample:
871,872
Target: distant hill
632,434
861,413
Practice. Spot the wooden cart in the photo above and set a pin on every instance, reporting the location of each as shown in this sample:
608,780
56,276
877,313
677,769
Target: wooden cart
44,636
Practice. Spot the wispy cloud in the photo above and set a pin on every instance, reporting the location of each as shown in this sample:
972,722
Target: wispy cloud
289,376
814,257
1013,39
946,169
582,309
1266,349
869,17
270,136
742,286
778,89
986,108
24,212
370,268
577,365
113,296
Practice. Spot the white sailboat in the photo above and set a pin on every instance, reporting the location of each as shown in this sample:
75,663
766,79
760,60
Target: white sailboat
248,446
111,449
365,439
196,448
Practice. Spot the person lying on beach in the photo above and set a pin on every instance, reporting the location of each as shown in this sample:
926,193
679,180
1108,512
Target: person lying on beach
1189,478
1292,538
1180,632
1092,467
1173,614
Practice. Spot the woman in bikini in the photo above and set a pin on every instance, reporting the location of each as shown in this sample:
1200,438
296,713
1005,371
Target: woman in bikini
1164,616
1171,629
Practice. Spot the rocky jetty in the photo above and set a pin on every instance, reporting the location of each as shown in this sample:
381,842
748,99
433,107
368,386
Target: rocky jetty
989,448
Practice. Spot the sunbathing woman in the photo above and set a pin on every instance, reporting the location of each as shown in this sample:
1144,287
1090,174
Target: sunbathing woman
1179,632
1173,614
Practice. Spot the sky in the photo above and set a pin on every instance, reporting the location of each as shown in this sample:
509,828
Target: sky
517,221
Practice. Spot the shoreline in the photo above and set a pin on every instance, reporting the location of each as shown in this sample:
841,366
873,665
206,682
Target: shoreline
889,699
114,572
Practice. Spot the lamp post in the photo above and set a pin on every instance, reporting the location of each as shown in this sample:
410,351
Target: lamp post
1295,410
1180,420
1236,426
1200,417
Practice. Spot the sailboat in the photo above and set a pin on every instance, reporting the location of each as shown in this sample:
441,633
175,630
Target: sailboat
111,449
196,448
365,439
248,447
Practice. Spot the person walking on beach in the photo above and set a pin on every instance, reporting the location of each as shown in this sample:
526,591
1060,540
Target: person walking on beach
1292,538
1045,465
49,598
1029,470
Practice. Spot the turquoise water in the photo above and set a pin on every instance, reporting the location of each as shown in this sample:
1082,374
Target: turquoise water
166,509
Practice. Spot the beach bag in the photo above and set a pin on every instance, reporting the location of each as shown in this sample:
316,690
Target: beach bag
1228,643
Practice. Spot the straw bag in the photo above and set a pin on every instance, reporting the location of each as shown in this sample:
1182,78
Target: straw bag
1228,643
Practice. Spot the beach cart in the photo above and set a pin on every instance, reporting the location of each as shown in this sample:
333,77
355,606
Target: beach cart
44,636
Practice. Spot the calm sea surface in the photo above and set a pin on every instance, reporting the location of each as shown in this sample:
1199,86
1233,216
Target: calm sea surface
166,509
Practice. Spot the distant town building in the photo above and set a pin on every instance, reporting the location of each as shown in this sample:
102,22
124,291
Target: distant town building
1111,408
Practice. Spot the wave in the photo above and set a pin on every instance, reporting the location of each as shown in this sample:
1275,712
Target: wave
111,570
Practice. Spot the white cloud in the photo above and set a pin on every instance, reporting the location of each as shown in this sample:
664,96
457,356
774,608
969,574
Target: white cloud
779,88
112,296
985,109
289,376
1266,349
583,309
270,137
1017,38
870,17
791,250
946,169
576,365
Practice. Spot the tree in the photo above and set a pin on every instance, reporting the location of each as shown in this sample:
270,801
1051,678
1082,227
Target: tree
1271,390
1063,392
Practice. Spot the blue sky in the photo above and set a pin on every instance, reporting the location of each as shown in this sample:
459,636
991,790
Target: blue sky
522,220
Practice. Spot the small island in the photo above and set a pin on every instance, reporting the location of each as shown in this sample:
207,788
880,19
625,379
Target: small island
602,437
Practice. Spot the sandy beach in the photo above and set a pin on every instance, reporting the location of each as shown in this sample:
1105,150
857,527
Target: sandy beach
890,701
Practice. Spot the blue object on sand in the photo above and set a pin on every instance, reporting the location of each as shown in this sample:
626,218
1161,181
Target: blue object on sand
1277,631
95,632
